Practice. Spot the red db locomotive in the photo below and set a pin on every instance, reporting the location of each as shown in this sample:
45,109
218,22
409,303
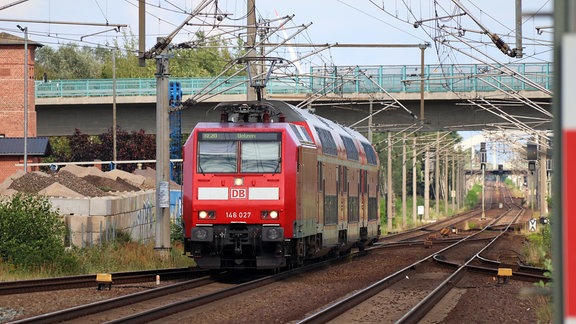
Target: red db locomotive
272,186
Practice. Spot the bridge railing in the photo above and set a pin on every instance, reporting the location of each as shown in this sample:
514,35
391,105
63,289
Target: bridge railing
446,78
340,79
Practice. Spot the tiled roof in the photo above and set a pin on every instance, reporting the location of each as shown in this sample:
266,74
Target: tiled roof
15,146
9,39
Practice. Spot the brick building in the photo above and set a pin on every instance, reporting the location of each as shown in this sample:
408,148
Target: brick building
12,106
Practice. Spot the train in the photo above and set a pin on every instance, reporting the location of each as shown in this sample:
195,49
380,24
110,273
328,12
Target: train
273,186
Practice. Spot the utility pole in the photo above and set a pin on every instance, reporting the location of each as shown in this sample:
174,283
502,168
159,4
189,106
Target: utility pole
160,53
25,30
519,49
446,191
162,152
389,183
459,182
404,181
452,181
370,122
414,185
437,175
422,49
251,43
427,184
483,166
114,138
141,32
543,184
564,184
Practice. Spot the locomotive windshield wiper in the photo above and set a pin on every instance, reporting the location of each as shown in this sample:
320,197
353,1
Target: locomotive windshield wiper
278,165
201,170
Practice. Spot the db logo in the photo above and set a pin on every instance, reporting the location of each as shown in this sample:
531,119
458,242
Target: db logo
238,193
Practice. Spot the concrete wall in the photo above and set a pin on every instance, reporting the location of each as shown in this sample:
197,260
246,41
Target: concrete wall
96,220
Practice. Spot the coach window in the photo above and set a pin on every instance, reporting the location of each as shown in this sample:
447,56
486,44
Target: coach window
217,157
260,157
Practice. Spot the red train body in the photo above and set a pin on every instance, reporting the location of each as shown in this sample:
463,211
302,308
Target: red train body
271,186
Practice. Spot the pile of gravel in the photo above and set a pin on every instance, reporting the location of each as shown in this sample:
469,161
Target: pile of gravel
34,182
75,181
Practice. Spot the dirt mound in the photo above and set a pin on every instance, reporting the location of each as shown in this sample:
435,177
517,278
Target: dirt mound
77,181
107,184
83,171
150,175
134,179
58,190
93,183
34,182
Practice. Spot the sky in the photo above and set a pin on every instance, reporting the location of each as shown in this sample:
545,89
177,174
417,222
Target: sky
327,21
332,21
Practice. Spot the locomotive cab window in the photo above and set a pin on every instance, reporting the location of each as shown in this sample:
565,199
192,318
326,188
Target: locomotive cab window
239,152
217,157
260,157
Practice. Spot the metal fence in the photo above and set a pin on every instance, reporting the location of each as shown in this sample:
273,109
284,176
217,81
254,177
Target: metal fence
336,79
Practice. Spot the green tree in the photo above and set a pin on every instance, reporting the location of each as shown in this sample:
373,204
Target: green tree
473,197
61,152
67,62
32,234
203,57
127,61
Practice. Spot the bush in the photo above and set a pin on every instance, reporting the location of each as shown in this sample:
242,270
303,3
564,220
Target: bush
31,233
177,230
473,197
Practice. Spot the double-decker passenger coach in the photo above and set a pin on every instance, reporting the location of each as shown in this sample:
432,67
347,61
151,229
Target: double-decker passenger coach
272,185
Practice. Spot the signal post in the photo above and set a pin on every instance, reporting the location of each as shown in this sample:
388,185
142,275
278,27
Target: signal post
564,223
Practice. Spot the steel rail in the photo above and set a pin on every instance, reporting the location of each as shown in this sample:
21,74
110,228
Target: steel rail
417,312
60,283
96,307
423,307
190,303
159,312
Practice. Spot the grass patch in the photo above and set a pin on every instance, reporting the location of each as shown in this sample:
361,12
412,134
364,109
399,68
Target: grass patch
538,254
114,257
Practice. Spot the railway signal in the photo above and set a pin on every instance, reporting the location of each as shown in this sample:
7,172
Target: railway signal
565,247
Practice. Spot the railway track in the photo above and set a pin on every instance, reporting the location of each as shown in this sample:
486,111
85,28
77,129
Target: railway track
73,282
457,224
417,288
264,299
160,302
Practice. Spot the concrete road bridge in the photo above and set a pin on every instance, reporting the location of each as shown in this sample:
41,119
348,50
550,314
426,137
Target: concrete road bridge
455,97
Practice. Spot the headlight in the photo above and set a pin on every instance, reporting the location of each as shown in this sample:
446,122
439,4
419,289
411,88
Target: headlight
206,214
269,214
